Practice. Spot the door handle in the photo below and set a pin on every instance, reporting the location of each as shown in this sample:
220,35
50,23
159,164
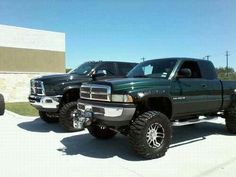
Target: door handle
204,85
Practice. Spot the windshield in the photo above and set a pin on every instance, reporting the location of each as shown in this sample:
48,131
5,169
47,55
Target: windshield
154,68
83,69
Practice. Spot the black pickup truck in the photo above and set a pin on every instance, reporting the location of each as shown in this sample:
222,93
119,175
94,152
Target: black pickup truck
155,96
55,96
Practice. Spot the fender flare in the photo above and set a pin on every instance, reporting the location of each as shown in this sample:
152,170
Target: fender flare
66,89
145,97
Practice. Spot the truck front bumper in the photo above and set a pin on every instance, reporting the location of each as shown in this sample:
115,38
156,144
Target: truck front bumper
45,103
107,113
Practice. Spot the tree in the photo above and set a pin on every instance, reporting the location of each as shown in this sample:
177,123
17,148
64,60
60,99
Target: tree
222,73
68,70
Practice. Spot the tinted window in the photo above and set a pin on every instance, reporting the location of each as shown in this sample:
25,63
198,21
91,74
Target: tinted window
193,66
109,67
208,70
124,68
160,68
83,69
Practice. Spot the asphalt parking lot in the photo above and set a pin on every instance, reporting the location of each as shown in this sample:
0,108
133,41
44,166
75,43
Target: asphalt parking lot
31,148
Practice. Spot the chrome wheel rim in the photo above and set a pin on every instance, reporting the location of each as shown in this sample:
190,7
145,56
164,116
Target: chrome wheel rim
155,135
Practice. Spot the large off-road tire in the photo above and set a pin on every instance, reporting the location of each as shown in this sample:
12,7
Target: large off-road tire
2,105
67,118
150,134
49,117
230,121
101,132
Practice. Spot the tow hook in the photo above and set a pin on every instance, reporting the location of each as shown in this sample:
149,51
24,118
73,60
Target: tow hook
82,120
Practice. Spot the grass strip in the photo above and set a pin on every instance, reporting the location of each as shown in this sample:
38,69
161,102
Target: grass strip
22,108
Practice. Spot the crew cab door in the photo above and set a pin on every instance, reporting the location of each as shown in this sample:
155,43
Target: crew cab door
189,94
214,86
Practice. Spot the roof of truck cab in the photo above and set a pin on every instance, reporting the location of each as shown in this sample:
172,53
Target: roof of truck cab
179,58
110,61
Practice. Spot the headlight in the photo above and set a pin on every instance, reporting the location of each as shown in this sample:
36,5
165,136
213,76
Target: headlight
122,98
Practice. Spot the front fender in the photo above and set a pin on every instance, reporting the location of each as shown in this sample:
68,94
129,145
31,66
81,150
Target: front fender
66,89
153,100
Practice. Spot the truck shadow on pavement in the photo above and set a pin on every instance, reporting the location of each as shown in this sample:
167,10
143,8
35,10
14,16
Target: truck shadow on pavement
86,145
197,132
38,125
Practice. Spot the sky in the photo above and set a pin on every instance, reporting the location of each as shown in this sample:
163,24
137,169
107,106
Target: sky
128,30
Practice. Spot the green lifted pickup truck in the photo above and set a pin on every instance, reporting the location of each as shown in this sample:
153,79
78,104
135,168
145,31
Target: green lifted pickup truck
156,95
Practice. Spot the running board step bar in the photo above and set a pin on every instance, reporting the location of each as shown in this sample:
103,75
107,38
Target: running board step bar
193,121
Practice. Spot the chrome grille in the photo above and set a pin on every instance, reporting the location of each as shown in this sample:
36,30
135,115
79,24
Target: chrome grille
37,87
95,92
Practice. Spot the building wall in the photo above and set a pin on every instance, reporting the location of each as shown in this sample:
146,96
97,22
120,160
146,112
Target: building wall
30,50
31,60
25,54
15,87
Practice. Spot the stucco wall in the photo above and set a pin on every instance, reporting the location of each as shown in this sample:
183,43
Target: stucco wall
31,60
27,53
16,86
31,50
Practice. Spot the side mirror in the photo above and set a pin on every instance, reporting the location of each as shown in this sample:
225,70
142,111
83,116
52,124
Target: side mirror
99,73
184,73
104,72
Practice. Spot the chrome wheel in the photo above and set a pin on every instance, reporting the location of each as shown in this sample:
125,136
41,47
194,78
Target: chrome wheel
150,134
155,135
